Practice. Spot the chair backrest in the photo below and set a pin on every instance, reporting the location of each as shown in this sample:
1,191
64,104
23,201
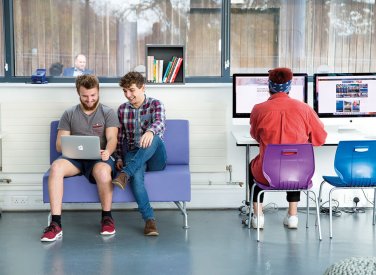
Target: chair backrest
289,166
176,139
355,162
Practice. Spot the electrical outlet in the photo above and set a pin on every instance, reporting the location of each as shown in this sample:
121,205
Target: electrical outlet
20,200
348,198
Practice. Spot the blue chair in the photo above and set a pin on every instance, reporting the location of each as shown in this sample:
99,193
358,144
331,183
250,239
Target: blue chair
288,167
355,165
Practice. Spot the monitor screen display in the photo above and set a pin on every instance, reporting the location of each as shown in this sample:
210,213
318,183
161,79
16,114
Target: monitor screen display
251,89
345,94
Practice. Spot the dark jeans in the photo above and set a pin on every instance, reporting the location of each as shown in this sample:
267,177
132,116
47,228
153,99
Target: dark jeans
292,196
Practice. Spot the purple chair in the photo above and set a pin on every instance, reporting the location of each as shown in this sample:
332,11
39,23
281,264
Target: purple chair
288,167
173,184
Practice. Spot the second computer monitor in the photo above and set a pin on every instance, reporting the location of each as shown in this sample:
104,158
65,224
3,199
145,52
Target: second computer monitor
348,95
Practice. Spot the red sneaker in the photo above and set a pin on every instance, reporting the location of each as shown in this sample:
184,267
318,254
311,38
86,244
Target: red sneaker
108,226
52,233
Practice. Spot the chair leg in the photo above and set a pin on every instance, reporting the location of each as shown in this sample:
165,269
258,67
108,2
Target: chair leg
258,215
330,214
250,205
317,213
183,210
319,198
307,218
49,218
322,183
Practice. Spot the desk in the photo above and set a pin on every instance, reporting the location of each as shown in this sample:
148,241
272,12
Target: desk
243,138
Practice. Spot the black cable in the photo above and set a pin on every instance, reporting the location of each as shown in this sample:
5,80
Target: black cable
335,209
353,210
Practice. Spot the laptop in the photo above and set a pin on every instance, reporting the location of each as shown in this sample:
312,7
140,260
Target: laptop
80,147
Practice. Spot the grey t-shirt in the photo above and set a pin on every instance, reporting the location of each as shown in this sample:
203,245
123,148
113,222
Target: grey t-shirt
79,123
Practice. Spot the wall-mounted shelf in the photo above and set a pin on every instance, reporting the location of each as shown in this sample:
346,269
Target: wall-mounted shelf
166,53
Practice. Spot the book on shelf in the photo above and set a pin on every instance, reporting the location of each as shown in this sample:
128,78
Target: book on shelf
167,71
176,70
150,70
155,73
160,71
173,62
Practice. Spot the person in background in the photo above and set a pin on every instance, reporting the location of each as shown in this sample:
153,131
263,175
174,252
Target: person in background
140,145
278,120
79,67
87,118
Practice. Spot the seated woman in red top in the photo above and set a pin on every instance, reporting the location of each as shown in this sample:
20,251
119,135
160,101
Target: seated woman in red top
278,120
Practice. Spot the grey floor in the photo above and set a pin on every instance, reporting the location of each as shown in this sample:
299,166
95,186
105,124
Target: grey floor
215,243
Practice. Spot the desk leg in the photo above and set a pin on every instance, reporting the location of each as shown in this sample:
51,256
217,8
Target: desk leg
247,176
246,208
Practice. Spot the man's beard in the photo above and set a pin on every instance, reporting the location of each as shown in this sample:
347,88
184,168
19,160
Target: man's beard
87,108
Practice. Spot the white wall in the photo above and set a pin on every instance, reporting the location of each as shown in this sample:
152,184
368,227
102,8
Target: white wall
27,109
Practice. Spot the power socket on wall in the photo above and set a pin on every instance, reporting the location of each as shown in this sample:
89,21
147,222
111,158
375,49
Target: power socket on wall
20,200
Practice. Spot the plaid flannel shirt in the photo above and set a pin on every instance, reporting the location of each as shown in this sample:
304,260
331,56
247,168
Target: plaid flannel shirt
135,122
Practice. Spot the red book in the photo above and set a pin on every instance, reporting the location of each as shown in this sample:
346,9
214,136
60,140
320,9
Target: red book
178,64
173,65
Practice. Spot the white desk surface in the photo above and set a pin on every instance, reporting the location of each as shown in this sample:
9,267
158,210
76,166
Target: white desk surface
243,137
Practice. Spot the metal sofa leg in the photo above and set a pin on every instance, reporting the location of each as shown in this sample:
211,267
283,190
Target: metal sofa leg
183,210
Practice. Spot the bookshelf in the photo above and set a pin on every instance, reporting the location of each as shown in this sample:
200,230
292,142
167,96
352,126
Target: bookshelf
166,53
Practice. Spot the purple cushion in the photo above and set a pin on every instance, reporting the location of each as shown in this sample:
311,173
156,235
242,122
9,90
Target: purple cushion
171,184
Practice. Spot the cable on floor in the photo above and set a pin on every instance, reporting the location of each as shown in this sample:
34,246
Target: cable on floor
335,209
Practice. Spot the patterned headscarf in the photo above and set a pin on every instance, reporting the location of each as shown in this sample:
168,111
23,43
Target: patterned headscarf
280,80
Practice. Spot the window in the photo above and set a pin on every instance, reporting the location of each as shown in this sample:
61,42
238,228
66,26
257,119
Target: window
220,37
307,36
112,34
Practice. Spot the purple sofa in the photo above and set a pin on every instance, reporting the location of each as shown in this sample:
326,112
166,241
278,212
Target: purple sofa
170,185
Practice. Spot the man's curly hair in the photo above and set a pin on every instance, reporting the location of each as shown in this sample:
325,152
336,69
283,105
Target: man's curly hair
132,78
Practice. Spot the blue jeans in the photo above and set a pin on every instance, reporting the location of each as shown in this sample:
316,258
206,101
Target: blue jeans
152,158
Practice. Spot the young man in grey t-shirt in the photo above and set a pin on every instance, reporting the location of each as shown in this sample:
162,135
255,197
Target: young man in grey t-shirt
87,118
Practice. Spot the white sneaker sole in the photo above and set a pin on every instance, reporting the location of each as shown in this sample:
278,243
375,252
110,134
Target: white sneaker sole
58,236
106,233
152,234
290,226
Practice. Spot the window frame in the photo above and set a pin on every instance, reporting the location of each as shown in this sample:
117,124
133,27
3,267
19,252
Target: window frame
9,55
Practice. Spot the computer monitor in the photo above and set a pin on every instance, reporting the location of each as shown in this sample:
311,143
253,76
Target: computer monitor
251,89
345,100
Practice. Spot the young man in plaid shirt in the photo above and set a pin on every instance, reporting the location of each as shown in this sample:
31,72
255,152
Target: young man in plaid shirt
140,146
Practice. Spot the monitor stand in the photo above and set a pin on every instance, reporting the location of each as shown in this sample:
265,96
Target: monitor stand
347,129
342,129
